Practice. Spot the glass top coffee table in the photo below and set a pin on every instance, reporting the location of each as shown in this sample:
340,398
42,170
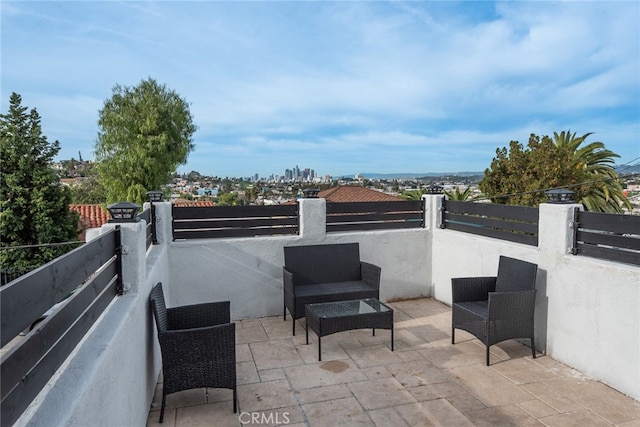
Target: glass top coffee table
327,318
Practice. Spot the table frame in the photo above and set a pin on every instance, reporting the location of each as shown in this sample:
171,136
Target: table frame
338,321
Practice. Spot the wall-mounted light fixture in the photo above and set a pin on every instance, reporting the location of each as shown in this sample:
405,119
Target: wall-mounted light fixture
154,196
123,212
559,196
434,189
310,193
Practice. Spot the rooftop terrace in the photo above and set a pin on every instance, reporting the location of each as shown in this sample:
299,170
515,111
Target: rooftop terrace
425,381
587,323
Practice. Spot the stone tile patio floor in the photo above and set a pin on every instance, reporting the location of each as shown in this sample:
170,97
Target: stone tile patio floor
425,381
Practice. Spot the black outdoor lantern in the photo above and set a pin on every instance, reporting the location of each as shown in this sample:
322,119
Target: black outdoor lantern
310,193
559,196
123,212
154,196
434,189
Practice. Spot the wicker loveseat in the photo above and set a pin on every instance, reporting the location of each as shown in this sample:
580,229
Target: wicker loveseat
497,308
198,346
324,273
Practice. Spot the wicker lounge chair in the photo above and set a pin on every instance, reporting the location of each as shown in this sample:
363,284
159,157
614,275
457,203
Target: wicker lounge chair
198,346
499,308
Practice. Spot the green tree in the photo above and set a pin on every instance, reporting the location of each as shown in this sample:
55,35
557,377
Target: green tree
251,193
413,194
458,195
145,133
228,199
519,175
88,191
34,206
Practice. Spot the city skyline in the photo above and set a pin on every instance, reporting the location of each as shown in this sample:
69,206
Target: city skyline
350,87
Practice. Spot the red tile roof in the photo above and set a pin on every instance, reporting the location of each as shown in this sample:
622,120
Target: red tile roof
356,194
91,216
183,203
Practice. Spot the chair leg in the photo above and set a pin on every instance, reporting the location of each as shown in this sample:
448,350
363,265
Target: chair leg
453,335
284,311
533,348
235,400
164,401
294,325
487,355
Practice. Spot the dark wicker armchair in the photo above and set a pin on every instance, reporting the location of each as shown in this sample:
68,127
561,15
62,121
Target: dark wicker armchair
499,308
198,345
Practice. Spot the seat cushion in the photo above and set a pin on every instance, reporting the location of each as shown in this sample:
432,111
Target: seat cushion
332,288
477,308
328,292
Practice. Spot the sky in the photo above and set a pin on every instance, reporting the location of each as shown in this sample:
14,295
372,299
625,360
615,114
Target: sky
341,87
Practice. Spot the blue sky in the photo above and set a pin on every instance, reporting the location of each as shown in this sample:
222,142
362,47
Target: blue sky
339,87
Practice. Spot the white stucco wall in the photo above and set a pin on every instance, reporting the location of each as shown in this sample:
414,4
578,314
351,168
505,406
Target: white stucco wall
248,271
587,310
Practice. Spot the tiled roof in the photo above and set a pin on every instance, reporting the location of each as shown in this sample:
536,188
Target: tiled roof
91,216
184,203
356,194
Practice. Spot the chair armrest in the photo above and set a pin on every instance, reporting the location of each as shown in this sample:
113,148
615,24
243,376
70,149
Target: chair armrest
199,315
512,305
469,289
370,274
287,278
188,347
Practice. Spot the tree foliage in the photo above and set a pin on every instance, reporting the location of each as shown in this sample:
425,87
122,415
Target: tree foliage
34,206
459,195
413,194
145,133
519,175
88,191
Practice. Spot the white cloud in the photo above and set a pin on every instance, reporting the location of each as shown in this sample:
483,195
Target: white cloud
412,85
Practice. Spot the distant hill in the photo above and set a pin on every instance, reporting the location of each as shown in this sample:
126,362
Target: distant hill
625,169
401,175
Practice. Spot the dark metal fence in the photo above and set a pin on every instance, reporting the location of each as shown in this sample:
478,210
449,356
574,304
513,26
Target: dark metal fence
513,223
234,221
607,236
59,302
149,215
353,216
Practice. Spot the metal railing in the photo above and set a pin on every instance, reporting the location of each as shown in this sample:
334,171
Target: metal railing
149,215
513,223
58,303
234,221
362,216
612,237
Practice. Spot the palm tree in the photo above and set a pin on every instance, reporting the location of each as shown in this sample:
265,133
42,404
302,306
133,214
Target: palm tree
600,189
456,194
413,194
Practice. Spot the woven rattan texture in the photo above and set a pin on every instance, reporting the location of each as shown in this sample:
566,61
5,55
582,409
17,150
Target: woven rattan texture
197,343
495,309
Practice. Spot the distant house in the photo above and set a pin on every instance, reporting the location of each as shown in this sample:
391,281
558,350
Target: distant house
350,193
91,216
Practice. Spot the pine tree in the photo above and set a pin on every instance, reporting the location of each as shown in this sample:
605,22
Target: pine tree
34,206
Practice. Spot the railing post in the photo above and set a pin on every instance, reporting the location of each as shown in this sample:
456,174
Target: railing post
118,251
433,215
556,231
574,227
132,253
313,217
